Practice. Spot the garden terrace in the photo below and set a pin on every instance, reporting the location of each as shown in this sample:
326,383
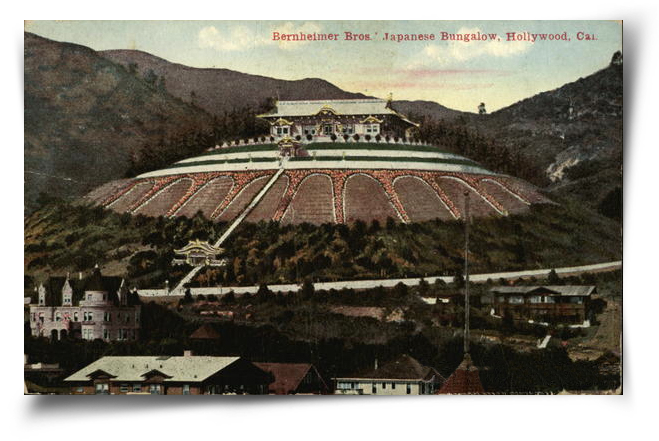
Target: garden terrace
337,182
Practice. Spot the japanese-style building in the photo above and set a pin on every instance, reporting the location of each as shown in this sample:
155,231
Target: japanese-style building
96,307
567,304
199,253
320,120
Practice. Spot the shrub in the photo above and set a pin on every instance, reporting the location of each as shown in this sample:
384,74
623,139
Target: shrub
346,137
367,137
298,137
355,137
309,137
272,139
378,138
333,137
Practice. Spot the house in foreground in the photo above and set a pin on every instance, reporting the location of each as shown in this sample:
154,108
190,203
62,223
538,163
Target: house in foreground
568,304
169,375
403,376
294,378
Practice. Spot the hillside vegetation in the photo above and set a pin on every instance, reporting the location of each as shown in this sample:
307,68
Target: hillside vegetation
62,237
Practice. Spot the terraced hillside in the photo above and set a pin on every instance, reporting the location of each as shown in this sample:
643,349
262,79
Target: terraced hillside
335,183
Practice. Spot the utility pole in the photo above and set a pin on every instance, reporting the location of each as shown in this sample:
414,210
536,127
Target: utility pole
466,219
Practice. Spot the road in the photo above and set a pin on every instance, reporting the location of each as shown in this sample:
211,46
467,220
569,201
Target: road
388,283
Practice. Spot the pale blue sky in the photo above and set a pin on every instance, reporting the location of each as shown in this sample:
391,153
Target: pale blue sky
458,75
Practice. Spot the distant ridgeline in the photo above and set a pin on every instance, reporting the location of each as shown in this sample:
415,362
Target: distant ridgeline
337,161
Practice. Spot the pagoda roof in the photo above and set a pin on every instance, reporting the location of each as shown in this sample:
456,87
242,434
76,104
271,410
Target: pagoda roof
199,245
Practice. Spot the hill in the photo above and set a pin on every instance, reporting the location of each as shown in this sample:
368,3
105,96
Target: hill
574,133
86,117
223,90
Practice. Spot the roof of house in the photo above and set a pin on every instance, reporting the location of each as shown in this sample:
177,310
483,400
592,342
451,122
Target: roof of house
562,290
464,380
205,332
287,376
132,369
94,282
402,368
340,107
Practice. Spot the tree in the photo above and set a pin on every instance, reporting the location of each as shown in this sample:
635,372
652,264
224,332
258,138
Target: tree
481,109
553,278
187,297
307,290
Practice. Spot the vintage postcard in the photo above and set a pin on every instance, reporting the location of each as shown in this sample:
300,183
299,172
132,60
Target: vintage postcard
323,207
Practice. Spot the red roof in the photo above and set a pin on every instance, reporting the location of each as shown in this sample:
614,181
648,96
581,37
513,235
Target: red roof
205,332
465,380
288,376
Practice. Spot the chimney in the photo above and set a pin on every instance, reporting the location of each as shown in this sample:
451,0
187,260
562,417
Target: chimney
188,353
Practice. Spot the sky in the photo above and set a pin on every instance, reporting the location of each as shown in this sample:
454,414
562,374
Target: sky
455,73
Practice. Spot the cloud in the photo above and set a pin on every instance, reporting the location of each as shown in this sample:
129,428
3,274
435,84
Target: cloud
460,50
240,37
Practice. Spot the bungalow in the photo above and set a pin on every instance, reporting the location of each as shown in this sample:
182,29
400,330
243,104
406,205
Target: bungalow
294,378
548,303
323,119
169,375
403,376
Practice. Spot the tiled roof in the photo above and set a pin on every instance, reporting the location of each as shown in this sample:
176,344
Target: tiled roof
465,380
341,107
368,107
131,369
563,290
288,376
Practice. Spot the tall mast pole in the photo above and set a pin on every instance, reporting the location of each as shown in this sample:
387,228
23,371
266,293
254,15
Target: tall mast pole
466,288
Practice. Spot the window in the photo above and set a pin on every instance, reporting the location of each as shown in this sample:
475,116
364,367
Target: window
373,389
124,388
186,389
327,130
107,316
58,316
516,300
137,388
137,317
102,389
154,389
80,389
34,316
384,385
75,316
89,296
408,389
393,385
106,334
